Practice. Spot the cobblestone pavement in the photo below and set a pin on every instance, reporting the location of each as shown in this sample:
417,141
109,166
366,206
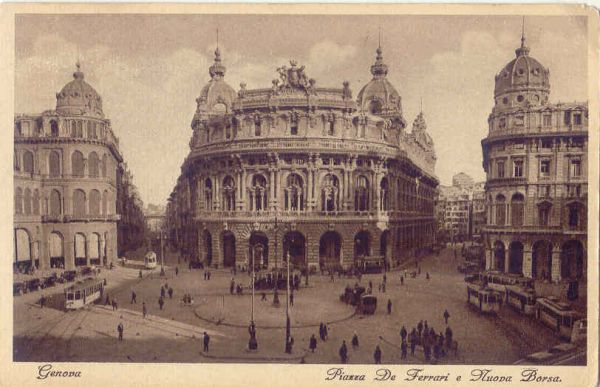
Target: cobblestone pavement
174,334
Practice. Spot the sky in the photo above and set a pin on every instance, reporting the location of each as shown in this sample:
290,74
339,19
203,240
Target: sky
149,69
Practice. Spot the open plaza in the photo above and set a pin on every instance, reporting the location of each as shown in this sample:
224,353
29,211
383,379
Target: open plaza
175,332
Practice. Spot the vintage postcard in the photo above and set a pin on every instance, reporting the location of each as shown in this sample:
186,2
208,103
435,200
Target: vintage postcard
299,195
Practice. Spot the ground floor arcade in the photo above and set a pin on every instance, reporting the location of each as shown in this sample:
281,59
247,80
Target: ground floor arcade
308,244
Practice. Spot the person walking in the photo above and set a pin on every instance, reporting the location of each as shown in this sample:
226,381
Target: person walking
354,341
208,275
177,269
377,355
231,286
446,316
161,302
413,342
403,333
133,297
291,299
42,301
120,331
170,293
401,280
383,287
144,310
140,274
420,327
107,300
206,341
343,352
389,306
114,304
403,349
162,291
312,345
322,331
427,276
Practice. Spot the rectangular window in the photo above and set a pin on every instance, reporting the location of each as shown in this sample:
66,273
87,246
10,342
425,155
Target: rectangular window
577,119
544,191
544,215
567,118
545,167
518,168
547,144
575,168
519,120
500,169
294,129
547,120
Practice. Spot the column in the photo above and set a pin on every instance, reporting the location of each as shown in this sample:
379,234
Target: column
527,263
555,270
243,189
310,196
87,250
69,250
344,189
216,192
271,203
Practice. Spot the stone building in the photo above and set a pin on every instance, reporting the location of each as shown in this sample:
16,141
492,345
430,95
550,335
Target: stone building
305,170
535,158
66,168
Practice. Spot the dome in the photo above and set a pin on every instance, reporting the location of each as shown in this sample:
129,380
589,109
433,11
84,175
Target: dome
217,96
522,73
78,97
379,95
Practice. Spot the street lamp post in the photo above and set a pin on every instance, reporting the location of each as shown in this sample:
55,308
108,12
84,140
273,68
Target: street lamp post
162,254
287,309
252,343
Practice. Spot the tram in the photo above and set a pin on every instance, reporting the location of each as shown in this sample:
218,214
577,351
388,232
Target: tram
521,299
557,315
83,293
484,299
150,260
498,281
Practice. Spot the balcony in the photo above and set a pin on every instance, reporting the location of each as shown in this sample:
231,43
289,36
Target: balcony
269,216
506,181
80,218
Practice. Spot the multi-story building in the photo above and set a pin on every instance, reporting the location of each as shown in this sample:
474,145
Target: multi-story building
303,170
66,168
535,158
478,211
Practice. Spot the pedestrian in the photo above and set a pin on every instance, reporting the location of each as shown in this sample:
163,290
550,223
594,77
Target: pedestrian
312,345
107,300
263,297
355,341
140,274
427,276
420,327
114,304
292,299
161,302
170,293
413,344
120,330
162,291
377,355
448,334
144,310
343,352
133,297
322,331
425,328
384,278
326,331
389,306
403,333
206,341
383,287
42,301
404,349
177,269
208,275
402,280
446,316
232,286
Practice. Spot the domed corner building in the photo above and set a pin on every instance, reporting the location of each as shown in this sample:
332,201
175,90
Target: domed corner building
535,158
66,171
306,171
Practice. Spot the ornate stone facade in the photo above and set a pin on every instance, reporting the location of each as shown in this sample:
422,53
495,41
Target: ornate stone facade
66,168
302,169
535,157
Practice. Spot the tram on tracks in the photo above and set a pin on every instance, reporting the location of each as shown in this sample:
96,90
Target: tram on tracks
486,300
499,281
521,299
557,315
83,293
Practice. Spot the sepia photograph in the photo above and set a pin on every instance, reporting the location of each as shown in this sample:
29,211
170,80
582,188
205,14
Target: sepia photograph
303,188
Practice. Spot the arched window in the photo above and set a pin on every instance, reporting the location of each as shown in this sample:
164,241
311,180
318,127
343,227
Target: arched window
77,164
228,194
28,162
383,195
375,107
361,198
257,129
27,201
104,164
517,209
331,127
208,194
500,210
54,129
19,201
79,203
574,212
105,203
258,193
330,193
94,165
95,202
36,202
54,164
544,214
55,203
294,193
